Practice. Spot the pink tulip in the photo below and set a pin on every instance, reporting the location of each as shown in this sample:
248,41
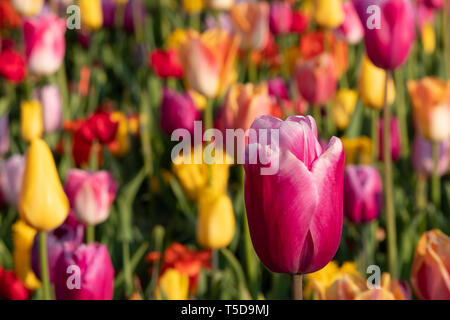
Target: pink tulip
422,156
92,264
11,173
387,44
351,29
278,89
363,193
295,216
280,17
435,4
316,79
395,139
44,43
4,135
90,194
51,102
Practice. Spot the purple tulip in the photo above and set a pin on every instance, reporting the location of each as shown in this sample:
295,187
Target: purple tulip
388,39
109,13
178,112
363,193
51,102
69,235
4,135
134,9
11,173
278,89
85,273
280,17
294,215
395,139
422,156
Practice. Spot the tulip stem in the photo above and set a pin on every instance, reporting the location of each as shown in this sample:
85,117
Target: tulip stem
127,268
317,114
297,287
435,179
388,189
252,71
421,192
90,233
44,265
402,113
375,135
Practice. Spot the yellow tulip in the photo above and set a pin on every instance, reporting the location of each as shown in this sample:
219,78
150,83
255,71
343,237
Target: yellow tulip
121,143
23,238
329,13
193,6
215,222
91,14
172,286
343,106
31,122
42,203
28,8
371,85
428,38
178,37
358,150
200,100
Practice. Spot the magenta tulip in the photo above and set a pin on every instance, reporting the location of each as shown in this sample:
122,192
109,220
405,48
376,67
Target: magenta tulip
85,273
178,112
51,102
363,193
422,156
4,135
11,173
44,43
278,89
351,29
280,17
389,30
135,15
90,194
435,4
295,215
108,13
395,139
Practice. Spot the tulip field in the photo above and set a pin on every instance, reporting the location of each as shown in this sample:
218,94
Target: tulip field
224,150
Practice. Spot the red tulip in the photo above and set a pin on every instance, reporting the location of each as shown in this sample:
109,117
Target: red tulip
11,288
12,66
166,64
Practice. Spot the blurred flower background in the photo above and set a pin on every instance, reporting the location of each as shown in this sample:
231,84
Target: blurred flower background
93,207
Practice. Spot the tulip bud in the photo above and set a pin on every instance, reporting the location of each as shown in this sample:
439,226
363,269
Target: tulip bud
358,150
42,203
172,285
363,193
121,144
11,288
395,139
166,64
215,222
4,135
23,236
31,124
422,156
11,175
280,17
371,85
431,265
51,101
108,13
12,66
90,194
343,106
428,38
91,14
90,276
328,13
28,8
135,14
193,6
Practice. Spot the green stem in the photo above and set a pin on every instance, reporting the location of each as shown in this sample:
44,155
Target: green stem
127,268
421,192
445,35
252,70
402,113
435,179
44,265
375,135
90,233
317,114
388,188
297,287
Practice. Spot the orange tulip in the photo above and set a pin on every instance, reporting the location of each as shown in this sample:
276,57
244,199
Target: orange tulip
430,272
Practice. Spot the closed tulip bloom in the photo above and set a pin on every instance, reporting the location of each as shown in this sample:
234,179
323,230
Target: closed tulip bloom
316,79
11,288
178,112
120,146
422,156
135,15
208,61
166,64
220,5
31,122
428,36
358,150
215,221
91,14
95,273
45,43
51,102
329,13
430,99
42,203
28,8
430,275
108,13
280,17
389,43
303,199
278,89
435,4
23,237
90,194
172,285
11,174
351,30
371,85
4,135
12,66
193,6
251,22
243,104
395,139
363,193
343,106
